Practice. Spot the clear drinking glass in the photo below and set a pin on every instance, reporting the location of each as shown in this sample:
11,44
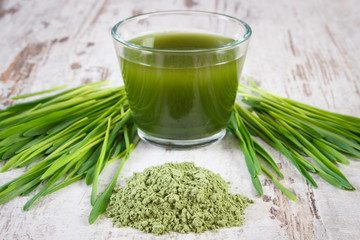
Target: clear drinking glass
181,71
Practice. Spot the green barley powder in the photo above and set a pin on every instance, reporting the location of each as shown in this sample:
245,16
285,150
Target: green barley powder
177,197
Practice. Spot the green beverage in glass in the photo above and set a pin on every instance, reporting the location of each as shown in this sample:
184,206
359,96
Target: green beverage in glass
181,71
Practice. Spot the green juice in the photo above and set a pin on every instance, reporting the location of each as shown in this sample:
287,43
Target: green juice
181,94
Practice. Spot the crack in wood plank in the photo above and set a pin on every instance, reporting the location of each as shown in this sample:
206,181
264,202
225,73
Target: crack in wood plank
291,43
21,68
136,11
190,3
312,201
348,60
297,224
64,39
99,12
4,12
75,66
237,5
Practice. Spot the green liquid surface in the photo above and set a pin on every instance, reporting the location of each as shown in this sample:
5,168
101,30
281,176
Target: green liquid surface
181,96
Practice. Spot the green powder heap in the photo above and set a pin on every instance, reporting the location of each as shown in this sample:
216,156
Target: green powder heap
177,197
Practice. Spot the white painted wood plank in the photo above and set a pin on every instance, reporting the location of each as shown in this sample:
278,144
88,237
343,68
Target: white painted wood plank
306,50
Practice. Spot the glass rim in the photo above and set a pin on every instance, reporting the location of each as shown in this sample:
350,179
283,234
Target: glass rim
234,43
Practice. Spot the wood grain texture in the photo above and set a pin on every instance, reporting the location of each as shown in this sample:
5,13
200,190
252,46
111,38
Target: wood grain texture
306,50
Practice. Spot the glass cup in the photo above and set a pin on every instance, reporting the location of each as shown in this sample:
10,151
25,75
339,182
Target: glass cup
181,71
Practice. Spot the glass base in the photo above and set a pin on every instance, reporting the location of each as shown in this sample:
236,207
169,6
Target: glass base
181,143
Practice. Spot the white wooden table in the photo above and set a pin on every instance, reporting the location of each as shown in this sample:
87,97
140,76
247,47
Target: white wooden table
306,50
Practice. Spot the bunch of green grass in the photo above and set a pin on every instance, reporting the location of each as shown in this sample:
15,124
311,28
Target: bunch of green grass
253,151
72,135
298,131
64,138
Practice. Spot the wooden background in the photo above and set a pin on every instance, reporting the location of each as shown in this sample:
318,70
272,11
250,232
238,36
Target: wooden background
306,50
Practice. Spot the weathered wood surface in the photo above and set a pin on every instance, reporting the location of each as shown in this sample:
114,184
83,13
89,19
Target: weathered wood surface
306,50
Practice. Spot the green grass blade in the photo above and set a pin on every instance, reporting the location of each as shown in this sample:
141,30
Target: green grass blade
52,180
286,191
32,142
66,158
11,150
259,127
338,156
38,93
31,190
234,127
102,202
332,180
100,163
22,180
66,183
261,151
249,143
66,144
90,175
302,161
79,163
122,154
91,161
257,184
19,190
319,158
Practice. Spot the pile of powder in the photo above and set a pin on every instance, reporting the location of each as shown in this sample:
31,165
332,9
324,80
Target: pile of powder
177,197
